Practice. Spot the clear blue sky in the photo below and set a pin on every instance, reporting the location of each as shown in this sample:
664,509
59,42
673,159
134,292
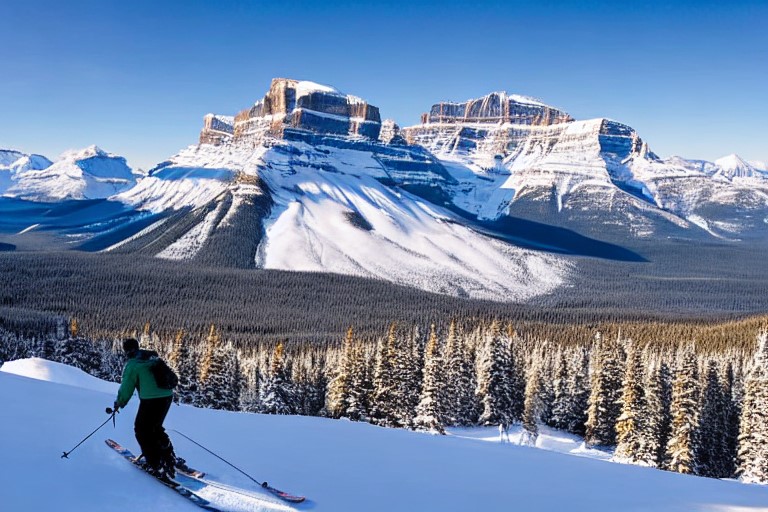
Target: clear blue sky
136,77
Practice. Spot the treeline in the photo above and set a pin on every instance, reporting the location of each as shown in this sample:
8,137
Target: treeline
692,407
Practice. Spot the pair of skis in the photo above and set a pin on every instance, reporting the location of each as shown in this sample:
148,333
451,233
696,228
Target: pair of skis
198,476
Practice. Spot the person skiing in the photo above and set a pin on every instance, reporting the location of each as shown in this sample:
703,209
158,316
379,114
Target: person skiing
155,402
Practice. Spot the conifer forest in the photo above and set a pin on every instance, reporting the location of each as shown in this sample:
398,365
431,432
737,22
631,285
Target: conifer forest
695,406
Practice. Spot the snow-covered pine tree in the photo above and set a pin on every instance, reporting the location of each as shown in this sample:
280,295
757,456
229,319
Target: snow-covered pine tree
276,393
753,437
561,400
219,375
460,380
360,385
249,397
531,411
517,380
78,352
547,365
384,392
337,400
633,408
309,390
493,386
682,445
110,360
406,373
212,342
731,436
430,412
655,429
578,392
604,405
184,363
711,452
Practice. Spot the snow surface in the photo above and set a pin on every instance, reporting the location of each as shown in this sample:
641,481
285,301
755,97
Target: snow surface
412,242
339,465
305,88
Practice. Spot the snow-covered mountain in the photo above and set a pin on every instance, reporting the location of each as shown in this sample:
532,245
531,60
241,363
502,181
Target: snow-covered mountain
339,465
90,173
323,205
14,162
597,174
309,178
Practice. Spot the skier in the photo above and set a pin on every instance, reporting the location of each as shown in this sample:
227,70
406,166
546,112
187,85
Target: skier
154,403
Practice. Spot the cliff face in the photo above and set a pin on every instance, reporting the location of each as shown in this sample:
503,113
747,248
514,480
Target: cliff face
497,107
217,129
298,105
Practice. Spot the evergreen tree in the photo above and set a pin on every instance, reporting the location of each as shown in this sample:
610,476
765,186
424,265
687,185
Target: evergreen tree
578,393
682,447
384,393
339,388
220,379
406,373
78,352
712,452
547,365
753,437
604,405
633,408
111,361
184,363
276,393
309,388
493,386
430,412
531,411
360,385
249,397
562,399
655,429
731,437
460,380
517,380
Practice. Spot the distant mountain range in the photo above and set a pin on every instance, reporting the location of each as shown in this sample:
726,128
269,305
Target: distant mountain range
486,198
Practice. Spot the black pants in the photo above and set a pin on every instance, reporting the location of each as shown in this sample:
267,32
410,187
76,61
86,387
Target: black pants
154,442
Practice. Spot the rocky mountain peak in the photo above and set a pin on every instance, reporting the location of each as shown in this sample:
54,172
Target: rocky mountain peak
295,105
497,107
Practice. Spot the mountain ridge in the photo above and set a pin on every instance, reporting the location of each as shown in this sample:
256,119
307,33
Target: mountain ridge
481,199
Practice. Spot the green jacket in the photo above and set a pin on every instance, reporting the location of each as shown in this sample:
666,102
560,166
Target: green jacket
137,375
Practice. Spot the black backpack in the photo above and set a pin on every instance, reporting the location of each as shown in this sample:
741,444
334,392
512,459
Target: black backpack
164,376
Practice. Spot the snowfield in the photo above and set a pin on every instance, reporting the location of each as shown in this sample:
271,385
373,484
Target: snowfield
339,465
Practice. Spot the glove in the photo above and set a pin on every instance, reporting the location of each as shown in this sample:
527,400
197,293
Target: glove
115,407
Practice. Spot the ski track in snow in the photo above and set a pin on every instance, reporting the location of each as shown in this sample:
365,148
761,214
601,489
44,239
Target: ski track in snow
341,466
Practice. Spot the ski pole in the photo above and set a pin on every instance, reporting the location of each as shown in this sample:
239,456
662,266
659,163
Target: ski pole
111,417
263,484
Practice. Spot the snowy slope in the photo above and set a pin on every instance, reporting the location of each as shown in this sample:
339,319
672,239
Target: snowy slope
331,212
89,173
733,166
14,162
339,465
